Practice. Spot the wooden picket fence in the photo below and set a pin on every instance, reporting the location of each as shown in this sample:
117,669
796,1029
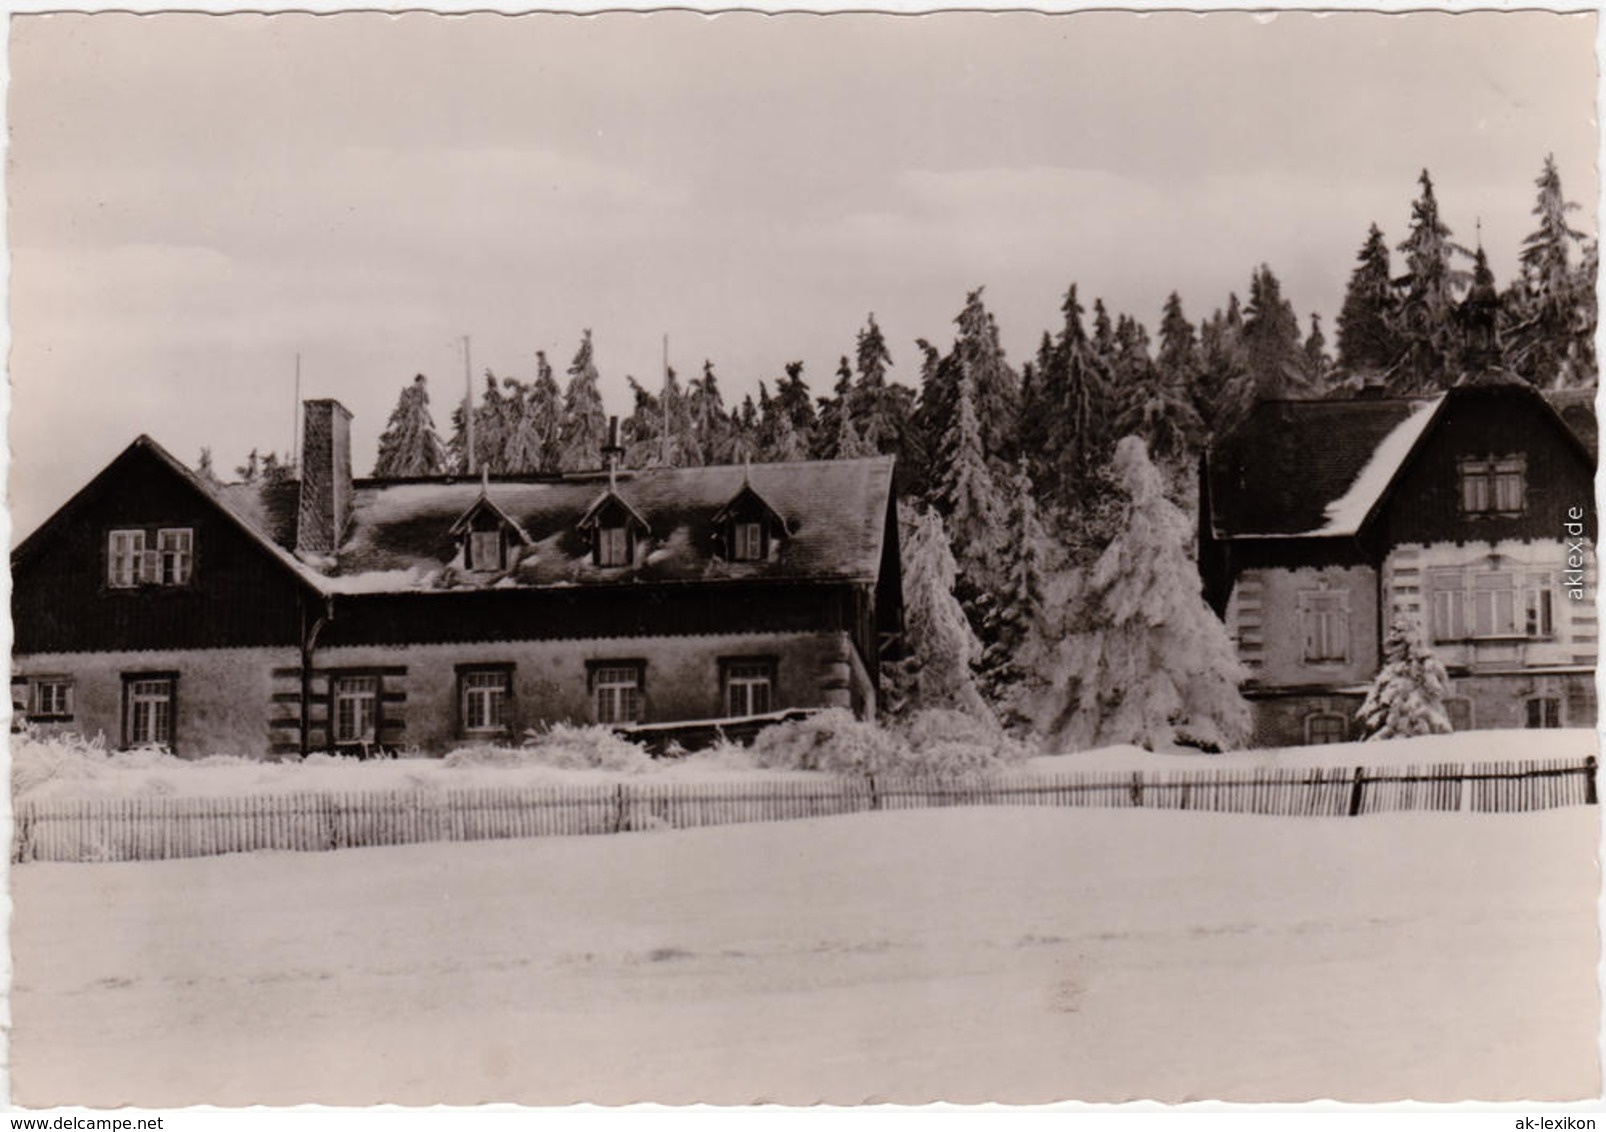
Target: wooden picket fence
162,827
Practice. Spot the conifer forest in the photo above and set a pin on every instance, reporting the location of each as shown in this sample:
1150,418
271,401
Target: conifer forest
1049,502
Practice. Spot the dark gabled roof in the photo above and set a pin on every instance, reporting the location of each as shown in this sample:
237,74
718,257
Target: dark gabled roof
835,515
1320,469
256,511
1285,470
401,532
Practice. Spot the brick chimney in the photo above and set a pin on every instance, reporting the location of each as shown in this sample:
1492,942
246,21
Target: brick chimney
325,477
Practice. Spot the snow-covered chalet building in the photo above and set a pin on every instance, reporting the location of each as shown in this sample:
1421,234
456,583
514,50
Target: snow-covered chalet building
328,612
1472,511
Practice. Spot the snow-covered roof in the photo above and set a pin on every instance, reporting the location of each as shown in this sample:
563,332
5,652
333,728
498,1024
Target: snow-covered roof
1323,469
400,537
1346,513
1312,469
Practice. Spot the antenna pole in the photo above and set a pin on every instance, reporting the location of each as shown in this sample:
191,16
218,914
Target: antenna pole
468,405
664,440
295,415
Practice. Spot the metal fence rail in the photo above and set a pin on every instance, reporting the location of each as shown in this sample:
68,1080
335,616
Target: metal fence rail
161,827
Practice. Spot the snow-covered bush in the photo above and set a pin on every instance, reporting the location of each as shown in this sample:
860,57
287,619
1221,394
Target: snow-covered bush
563,746
934,742
945,743
722,755
38,758
65,762
1407,696
833,741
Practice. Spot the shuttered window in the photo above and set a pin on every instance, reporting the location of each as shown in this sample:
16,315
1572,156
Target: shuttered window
142,558
485,550
613,546
1494,604
125,558
1325,618
1494,485
174,549
748,543
1449,599
1539,614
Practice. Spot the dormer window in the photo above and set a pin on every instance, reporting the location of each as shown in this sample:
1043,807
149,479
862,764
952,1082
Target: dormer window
484,551
747,525
487,537
613,546
747,543
614,528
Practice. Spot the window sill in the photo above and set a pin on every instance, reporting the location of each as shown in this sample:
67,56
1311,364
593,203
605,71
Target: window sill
1514,639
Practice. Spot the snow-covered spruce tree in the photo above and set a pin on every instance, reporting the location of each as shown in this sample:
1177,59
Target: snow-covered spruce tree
1367,343
1318,365
1071,438
1425,319
1271,341
711,432
1223,369
1008,678
544,410
1407,695
966,495
1148,663
940,646
585,425
1551,307
205,470
877,411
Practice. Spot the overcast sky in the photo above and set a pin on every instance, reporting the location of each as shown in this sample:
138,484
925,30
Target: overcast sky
196,199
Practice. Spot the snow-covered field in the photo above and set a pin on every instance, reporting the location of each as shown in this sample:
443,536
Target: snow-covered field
962,954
